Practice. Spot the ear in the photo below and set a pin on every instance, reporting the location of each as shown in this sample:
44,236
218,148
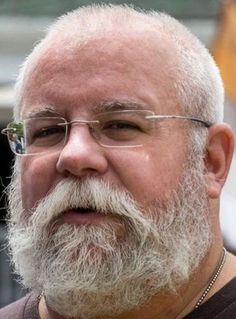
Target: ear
219,152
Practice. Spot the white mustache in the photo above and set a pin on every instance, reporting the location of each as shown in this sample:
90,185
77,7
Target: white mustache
89,193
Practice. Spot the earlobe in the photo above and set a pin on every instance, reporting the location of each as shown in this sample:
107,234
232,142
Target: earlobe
219,152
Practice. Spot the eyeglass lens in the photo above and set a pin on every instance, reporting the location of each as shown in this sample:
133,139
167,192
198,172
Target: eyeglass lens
111,129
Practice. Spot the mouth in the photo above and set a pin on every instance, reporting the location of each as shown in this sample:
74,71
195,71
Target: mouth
82,210
82,216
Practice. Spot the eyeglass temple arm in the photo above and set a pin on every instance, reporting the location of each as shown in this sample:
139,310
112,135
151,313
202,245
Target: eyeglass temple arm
7,129
207,124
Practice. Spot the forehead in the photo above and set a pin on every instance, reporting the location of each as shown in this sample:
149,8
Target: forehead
134,69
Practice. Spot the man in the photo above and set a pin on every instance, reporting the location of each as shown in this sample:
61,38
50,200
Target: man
114,204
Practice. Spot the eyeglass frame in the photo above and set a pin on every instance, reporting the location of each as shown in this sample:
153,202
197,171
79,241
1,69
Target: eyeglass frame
154,116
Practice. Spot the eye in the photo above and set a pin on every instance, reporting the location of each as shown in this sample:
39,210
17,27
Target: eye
120,125
48,131
119,130
45,135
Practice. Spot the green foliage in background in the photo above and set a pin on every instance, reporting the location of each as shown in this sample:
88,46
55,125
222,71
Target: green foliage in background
17,128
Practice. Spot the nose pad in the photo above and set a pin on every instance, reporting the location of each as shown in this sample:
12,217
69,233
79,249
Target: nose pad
81,153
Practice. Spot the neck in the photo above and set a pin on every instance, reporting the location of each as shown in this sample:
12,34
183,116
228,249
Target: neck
173,306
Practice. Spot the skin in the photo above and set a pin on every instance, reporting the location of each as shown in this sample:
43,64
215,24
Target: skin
101,71
75,96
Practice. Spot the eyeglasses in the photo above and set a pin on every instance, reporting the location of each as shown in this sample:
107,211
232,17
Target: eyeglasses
117,129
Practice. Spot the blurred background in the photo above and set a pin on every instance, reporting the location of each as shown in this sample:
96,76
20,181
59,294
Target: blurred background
24,22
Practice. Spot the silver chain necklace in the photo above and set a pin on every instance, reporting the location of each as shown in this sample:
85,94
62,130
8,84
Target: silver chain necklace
213,278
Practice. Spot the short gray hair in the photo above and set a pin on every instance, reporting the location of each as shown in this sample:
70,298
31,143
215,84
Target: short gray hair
198,83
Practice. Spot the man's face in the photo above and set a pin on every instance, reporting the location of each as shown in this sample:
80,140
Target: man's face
148,181
98,73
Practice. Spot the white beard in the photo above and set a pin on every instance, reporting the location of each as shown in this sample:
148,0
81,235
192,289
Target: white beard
90,271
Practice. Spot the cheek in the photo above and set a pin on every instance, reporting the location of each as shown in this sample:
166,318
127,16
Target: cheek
149,176
37,178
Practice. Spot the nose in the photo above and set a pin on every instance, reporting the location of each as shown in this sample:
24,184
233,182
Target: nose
81,155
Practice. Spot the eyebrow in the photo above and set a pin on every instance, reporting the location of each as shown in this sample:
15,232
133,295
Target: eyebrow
42,111
111,106
107,106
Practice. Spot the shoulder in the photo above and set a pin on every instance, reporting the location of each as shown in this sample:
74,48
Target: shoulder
24,308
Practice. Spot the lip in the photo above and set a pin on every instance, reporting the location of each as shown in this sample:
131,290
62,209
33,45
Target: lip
88,217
